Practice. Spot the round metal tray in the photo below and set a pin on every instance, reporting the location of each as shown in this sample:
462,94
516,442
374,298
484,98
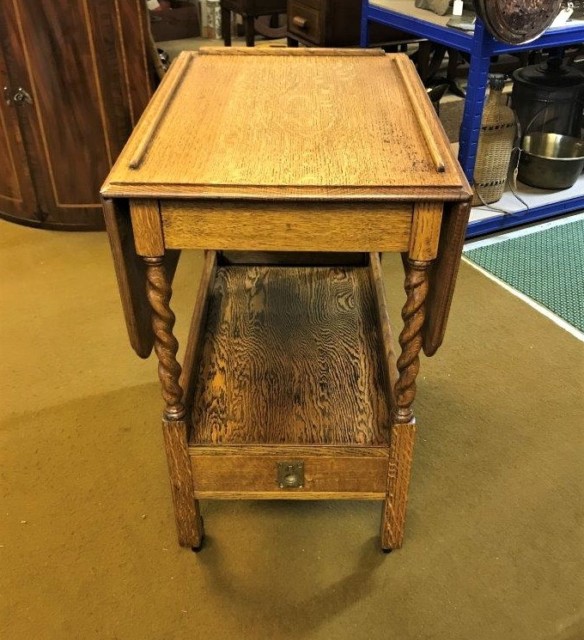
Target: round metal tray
517,21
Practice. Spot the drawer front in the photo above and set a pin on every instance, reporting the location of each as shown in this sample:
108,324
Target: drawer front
241,226
258,477
305,22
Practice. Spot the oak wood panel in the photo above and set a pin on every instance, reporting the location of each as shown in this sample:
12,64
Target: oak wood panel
356,133
315,193
290,451
291,356
194,343
147,227
444,273
131,275
426,227
393,518
258,474
389,359
289,227
188,520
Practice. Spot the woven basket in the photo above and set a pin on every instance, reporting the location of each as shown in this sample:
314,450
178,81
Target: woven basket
498,129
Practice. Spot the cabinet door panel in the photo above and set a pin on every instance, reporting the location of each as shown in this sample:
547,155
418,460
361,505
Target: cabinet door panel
83,63
16,192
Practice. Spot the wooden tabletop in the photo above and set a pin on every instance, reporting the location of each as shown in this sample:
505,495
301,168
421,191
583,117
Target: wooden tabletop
289,124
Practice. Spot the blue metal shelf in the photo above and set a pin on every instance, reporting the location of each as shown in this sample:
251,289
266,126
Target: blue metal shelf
534,214
481,46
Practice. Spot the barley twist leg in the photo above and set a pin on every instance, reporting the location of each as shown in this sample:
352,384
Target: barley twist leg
403,429
188,519
410,339
165,344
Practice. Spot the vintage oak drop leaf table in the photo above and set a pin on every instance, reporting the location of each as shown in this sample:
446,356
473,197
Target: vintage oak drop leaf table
294,169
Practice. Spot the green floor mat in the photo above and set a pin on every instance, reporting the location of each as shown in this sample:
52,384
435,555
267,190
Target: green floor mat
547,266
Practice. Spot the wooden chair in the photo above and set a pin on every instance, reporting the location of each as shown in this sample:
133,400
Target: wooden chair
249,10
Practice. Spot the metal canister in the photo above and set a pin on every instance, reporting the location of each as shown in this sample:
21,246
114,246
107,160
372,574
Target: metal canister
549,97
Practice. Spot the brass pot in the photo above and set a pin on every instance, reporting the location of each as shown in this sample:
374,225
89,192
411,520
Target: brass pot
550,160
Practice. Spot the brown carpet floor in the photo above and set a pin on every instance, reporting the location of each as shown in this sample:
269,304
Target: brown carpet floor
494,543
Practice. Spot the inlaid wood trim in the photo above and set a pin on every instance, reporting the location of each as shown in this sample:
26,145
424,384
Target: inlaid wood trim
421,119
147,226
125,60
160,110
39,118
20,197
426,227
97,81
143,16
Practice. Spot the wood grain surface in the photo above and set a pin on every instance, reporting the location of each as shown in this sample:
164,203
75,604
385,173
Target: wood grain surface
311,121
401,455
189,525
257,475
425,230
443,274
194,343
291,355
389,361
131,274
147,227
271,226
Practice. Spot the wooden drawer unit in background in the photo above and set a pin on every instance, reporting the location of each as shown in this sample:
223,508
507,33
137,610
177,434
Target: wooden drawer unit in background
333,23
290,387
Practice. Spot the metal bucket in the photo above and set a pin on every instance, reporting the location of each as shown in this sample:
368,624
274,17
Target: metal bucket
551,161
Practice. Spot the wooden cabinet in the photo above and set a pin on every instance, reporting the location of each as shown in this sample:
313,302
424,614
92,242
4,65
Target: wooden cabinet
289,387
332,23
75,79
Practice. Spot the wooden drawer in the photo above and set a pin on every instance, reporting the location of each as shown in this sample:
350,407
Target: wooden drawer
306,22
267,226
328,472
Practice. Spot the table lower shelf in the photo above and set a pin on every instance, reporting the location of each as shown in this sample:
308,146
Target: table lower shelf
291,367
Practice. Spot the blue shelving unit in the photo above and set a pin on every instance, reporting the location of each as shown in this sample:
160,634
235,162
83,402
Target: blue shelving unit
480,46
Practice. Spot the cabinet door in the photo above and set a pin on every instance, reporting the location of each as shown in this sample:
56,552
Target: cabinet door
82,62
16,192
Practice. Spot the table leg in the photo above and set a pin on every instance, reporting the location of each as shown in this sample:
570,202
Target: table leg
226,26
249,31
186,509
403,427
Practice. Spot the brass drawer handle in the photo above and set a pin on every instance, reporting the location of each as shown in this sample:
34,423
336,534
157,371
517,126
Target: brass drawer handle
301,23
290,474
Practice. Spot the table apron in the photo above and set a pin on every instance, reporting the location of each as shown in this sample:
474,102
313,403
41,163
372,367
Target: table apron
287,226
